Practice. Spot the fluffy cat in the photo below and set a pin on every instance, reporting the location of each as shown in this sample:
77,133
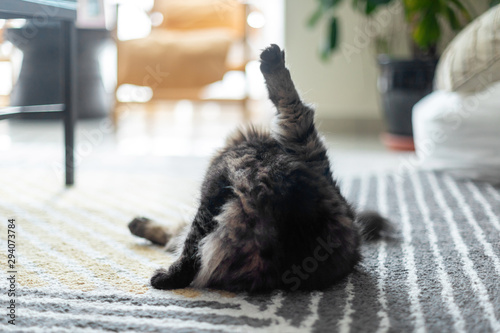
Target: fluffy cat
271,215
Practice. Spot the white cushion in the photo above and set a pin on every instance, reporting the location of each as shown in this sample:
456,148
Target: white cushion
459,133
471,62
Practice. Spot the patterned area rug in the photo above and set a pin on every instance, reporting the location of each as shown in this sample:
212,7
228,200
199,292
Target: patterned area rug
79,269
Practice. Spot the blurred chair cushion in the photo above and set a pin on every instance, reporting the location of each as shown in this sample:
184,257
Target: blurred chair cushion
202,14
459,133
471,61
174,59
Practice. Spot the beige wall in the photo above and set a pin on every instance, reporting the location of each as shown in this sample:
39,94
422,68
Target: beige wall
344,87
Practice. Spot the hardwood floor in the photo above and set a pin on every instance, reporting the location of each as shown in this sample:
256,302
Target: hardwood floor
171,137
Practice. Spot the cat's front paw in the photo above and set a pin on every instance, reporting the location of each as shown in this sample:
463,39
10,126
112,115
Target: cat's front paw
272,59
161,279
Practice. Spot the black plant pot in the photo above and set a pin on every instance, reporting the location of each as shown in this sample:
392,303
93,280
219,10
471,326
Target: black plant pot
402,83
39,78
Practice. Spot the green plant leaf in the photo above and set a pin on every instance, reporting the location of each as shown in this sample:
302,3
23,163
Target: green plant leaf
372,5
324,51
332,40
381,2
427,32
324,7
325,54
452,19
494,3
460,6
414,5
327,4
315,17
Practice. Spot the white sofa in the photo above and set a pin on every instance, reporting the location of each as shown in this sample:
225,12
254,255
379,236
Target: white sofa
457,127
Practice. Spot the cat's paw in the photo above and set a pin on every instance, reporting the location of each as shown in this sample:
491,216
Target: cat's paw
158,277
138,226
161,279
272,59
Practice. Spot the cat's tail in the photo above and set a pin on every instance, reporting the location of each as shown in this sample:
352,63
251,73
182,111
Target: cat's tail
372,225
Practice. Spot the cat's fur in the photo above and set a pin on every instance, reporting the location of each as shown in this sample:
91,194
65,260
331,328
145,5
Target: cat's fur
271,215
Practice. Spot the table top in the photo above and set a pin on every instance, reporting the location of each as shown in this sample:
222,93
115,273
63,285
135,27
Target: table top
51,9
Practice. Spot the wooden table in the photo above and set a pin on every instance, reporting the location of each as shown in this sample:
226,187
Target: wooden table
40,12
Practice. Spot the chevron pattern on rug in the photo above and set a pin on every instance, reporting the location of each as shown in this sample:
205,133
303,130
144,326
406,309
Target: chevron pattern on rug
80,270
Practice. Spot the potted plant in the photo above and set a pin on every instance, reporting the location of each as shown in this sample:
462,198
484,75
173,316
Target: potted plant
401,83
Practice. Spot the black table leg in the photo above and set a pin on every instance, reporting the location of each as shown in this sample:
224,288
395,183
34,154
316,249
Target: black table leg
69,88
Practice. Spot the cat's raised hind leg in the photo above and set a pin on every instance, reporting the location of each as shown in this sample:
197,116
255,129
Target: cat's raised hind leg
296,130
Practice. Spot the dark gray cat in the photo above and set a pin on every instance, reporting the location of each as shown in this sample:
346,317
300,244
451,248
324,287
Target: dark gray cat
271,215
